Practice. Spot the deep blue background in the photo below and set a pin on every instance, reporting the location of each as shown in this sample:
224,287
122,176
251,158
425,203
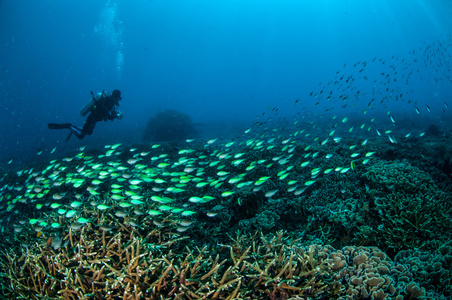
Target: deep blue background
218,61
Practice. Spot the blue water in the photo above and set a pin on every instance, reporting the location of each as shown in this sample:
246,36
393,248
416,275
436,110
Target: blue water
220,62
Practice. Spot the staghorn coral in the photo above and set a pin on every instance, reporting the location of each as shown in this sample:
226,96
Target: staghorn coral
127,266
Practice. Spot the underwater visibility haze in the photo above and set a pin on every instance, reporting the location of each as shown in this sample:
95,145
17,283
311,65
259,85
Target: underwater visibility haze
264,150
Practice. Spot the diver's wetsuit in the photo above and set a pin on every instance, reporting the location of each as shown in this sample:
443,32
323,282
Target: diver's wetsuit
105,108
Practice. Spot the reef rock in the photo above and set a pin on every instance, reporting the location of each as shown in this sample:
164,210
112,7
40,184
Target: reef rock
169,125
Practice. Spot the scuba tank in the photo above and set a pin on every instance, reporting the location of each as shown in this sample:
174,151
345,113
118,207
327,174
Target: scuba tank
88,106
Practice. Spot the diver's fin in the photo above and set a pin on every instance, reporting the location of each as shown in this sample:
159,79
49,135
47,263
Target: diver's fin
59,126
69,136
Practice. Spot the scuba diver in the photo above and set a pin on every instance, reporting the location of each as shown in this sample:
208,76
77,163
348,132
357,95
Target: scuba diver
103,107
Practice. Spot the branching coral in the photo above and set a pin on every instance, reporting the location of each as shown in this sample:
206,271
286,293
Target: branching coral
407,206
123,265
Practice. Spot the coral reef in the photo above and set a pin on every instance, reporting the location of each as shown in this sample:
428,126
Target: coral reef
432,270
371,274
88,264
411,212
154,222
92,265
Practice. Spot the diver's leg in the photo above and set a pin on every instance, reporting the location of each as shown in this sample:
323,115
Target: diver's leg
77,131
88,128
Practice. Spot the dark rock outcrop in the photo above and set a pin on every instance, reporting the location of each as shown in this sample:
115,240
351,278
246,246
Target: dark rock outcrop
169,125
